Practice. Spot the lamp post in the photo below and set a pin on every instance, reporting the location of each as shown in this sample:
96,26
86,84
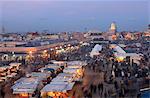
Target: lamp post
45,56
29,60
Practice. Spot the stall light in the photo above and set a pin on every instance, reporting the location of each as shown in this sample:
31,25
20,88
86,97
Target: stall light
81,42
30,52
24,95
72,47
56,47
60,46
62,49
69,45
51,49
59,93
45,51
14,55
120,58
52,94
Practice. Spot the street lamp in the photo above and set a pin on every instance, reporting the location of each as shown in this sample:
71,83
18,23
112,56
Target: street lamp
56,48
45,51
69,45
29,56
30,52
60,46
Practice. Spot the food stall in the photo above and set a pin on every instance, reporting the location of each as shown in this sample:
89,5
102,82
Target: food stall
76,63
78,72
58,62
10,71
4,72
25,87
47,70
63,79
14,67
56,67
57,89
12,75
66,75
40,76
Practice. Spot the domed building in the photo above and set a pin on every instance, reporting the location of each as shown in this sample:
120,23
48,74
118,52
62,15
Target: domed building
113,28
111,34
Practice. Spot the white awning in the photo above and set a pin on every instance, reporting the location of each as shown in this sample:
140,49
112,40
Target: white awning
58,87
95,51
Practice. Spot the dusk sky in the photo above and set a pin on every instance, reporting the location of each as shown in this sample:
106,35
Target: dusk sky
55,16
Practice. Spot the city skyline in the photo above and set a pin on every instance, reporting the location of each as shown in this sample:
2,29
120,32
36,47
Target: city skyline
57,16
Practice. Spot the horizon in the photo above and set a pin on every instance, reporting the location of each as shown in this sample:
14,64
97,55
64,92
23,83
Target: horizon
72,16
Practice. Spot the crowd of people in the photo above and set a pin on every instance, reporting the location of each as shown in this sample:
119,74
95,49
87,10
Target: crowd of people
121,79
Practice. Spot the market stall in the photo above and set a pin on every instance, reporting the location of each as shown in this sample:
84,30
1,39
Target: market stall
4,71
40,76
63,79
25,87
78,72
76,63
57,89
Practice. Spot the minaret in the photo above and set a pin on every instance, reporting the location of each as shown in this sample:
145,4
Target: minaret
3,30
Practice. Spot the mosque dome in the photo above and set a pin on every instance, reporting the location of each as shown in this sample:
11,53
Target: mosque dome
113,26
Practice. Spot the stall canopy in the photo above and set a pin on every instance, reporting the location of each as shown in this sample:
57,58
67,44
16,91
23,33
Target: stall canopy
70,70
15,64
76,63
38,75
58,62
118,49
58,87
62,79
25,85
96,50
65,75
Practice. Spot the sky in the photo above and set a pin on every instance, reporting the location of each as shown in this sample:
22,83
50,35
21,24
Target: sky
73,15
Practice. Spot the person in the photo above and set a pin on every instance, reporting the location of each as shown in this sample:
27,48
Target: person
105,93
139,95
122,74
2,93
113,73
39,95
122,90
94,89
91,87
129,74
73,95
85,93
89,95
116,85
101,86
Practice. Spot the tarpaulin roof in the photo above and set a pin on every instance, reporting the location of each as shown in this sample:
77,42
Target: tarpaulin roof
95,51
